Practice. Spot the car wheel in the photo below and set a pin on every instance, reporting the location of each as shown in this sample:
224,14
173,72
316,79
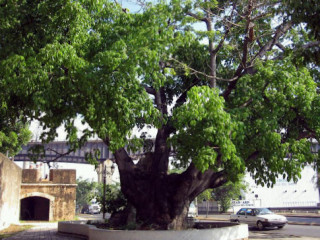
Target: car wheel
280,227
260,225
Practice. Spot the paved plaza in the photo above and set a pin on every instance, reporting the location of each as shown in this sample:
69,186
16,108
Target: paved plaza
46,231
49,232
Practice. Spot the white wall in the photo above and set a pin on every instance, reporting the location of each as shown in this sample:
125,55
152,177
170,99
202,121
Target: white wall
284,193
10,182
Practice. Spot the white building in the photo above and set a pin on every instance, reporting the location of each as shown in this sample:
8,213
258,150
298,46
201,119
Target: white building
285,194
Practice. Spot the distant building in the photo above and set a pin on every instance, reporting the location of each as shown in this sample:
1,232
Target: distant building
283,194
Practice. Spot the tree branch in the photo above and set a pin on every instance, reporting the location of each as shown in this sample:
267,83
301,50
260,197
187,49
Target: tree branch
303,47
311,45
59,155
183,97
149,90
308,133
252,156
281,30
279,45
123,160
243,62
197,17
194,71
198,181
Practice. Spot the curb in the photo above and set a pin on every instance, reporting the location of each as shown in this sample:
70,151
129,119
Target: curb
305,224
302,216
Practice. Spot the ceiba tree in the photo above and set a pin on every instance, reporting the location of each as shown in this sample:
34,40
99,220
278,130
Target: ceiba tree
229,86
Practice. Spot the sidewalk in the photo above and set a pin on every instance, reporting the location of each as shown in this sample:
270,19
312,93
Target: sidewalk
45,231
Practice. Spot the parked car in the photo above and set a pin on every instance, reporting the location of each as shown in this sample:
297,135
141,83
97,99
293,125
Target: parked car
193,211
94,209
259,217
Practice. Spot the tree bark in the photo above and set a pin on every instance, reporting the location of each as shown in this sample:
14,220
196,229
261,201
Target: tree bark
162,200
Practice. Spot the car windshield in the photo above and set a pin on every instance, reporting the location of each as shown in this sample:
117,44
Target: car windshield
263,211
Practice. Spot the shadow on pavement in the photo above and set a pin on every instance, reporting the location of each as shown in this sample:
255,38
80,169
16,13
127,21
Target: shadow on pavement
270,233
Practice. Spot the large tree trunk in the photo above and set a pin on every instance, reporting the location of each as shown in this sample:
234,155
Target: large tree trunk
162,200
160,206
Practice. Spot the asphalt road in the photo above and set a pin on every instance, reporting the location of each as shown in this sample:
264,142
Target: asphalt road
305,220
289,231
301,230
93,216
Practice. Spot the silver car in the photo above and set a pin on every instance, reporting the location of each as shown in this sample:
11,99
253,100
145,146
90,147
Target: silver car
259,217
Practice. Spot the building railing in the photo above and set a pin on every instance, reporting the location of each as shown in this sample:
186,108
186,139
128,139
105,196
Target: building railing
296,209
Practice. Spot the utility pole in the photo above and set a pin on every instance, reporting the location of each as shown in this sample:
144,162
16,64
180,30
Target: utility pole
106,173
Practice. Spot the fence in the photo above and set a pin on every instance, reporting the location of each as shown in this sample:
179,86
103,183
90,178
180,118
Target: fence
208,207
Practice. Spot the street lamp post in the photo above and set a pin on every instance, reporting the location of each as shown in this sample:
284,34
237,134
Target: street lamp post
104,175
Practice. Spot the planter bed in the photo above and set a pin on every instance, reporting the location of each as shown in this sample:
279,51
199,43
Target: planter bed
203,231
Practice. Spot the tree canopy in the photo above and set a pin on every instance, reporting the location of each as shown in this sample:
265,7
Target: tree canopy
228,192
228,85
12,137
86,191
114,199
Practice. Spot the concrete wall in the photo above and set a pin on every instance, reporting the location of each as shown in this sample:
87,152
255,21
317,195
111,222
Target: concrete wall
60,190
303,193
226,231
10,182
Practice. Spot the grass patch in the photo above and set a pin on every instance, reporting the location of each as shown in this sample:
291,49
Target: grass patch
37,221
13,229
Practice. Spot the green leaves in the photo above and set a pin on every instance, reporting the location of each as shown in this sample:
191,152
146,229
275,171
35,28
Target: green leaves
90,59
204,132
279,98
11,139
85,191
114,199
226,193
304,11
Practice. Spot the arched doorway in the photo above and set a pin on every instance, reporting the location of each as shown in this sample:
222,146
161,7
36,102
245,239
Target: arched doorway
36,200
35,208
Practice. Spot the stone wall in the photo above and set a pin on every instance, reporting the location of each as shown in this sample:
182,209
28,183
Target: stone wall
31,175
60,190
10,182
67,176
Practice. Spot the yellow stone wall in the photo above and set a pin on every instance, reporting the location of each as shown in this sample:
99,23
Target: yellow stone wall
60,190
